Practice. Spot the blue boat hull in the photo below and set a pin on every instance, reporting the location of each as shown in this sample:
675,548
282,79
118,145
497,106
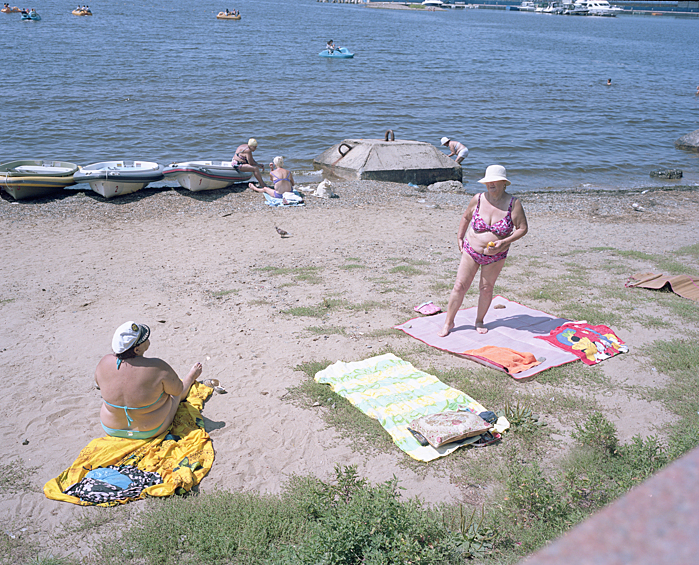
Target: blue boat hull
342,53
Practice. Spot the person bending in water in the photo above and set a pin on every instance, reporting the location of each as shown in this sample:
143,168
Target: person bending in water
140,395
244,162
282,179
492,221
456,148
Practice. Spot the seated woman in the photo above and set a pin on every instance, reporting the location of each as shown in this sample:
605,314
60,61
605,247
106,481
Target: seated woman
283,179
244,162
140,394
330,46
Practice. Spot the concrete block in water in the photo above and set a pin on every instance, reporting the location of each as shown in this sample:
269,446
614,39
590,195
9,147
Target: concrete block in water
390,161
689,141
666,174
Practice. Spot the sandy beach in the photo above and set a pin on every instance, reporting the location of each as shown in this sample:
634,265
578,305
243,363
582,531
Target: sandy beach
212,278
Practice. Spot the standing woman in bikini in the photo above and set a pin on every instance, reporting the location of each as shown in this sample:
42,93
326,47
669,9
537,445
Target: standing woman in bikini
492,221
140,394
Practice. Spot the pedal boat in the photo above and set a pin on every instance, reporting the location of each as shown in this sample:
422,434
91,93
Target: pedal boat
31,17
341,53
81,13
12,10
224,16
34,178
114,178
205,175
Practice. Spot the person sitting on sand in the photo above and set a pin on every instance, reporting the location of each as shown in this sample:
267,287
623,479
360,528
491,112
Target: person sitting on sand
283,179
244,162
140,395
456,148
491,222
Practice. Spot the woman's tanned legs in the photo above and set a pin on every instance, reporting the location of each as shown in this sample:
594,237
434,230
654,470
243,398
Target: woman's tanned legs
187,383
464,277
489,274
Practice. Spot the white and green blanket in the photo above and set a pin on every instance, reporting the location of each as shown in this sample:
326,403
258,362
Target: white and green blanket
395,393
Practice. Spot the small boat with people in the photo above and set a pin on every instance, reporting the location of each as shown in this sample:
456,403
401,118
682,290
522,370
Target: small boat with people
115,178
82,11
7,9
32,178
31,16
228,15
337,53
205,175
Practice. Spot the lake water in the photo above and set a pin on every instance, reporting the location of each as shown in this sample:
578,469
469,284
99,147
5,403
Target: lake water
170,82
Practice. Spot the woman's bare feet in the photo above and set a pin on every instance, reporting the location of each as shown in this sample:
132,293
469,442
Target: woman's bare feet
480,328
445,330
188,381
254,187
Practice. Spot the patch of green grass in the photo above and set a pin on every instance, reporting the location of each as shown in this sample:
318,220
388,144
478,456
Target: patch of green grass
692,250
685,310
327,330
7,300
385,332
222,293
407,270
670,266
652,322
594,313
640,255
301,274
352,266
367,305
442,286
317,311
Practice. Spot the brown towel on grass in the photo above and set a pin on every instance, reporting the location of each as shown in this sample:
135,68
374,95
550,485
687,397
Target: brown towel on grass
684,285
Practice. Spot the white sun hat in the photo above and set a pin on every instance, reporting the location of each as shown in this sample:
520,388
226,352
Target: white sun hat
129,334
444,141
495,173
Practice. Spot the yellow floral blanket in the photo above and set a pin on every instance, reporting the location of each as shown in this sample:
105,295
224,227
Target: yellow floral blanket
182,456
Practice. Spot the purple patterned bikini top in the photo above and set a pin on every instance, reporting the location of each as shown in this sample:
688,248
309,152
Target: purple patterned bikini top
503,228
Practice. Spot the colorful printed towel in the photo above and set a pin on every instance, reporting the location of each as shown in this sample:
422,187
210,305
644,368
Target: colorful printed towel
512,361
395,393
591,343
181,457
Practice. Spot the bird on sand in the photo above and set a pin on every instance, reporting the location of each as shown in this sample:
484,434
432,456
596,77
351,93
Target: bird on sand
281,231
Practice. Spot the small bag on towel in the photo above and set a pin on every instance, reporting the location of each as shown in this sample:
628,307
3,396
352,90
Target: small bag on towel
446,427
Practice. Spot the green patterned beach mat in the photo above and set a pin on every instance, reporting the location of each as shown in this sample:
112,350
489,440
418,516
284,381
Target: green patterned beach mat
395,393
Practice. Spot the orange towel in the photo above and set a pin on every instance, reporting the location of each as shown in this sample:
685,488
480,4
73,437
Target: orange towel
513,361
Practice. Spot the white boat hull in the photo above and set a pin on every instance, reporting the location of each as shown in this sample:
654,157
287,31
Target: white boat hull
205,175
116,178
195,182
110,189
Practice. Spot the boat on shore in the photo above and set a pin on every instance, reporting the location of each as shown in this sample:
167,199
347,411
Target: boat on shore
33,178
205,175
115,178
339,53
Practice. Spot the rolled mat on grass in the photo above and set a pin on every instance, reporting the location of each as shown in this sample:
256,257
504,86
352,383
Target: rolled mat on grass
684,285
395,393
181,457
510,325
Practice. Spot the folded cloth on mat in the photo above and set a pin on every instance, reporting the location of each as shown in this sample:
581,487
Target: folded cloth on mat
509,325
592,344
684,285
395,393
512,361
170,463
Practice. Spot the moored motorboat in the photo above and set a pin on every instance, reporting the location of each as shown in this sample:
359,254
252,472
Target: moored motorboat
33,178
527,6
224,16
339,53
596,7
205,175
114,178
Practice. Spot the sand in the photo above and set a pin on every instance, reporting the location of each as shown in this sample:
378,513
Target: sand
199,270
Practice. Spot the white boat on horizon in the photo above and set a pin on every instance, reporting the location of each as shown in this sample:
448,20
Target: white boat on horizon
205,175
433,3
596,7
115,178
528,6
